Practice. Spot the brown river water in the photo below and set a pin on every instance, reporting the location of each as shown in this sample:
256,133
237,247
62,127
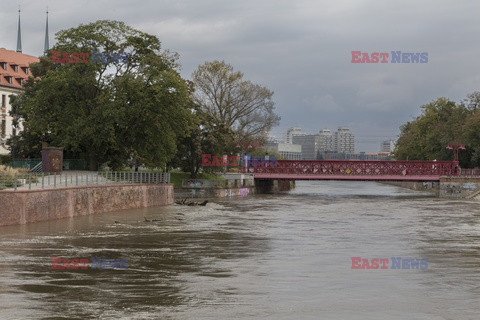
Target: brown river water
286,256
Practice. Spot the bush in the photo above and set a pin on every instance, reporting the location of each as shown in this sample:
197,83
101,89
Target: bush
7,175
5,159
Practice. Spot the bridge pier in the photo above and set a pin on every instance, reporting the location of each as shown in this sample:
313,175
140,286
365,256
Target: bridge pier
268,186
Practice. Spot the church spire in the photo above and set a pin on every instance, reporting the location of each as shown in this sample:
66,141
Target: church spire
19,35
46,45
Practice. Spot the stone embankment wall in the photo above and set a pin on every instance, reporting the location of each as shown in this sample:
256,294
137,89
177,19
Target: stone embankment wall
415,185
460,188
21,207
235,185
448,187
181,193
274,186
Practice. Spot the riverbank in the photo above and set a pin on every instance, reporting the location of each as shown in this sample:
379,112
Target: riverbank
448,187
231,185
430,186
27,206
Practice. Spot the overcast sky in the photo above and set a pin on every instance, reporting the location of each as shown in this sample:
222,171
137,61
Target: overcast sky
299,49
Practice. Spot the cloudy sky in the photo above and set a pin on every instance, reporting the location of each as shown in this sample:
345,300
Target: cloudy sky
299,49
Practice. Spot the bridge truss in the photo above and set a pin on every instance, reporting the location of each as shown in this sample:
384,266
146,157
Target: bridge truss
353,170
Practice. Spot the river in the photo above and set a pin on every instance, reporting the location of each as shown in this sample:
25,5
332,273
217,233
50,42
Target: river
286,256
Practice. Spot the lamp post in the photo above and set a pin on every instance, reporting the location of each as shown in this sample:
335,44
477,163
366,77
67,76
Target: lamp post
455,146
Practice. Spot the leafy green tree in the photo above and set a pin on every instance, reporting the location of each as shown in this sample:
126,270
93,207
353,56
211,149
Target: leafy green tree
471,134
426,137
245,108
110,111
472,102
205,136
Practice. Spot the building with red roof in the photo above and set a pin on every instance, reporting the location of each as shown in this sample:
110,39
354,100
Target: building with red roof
14,71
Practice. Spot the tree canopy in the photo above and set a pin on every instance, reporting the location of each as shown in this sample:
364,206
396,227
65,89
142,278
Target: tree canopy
443,122
109,112
247,109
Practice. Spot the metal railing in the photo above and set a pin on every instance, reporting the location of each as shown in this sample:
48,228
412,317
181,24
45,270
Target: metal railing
25,163
32,180
470,172
68,164
37,168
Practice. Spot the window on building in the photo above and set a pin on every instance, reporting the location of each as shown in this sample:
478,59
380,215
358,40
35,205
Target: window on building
4,100
3,130
3,65
9,79
14,67
25,70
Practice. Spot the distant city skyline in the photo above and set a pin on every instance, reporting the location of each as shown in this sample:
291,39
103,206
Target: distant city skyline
373,141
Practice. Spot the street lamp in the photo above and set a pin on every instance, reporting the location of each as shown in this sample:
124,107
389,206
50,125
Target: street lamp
455,146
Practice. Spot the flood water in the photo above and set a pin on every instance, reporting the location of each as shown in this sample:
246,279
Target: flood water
262,257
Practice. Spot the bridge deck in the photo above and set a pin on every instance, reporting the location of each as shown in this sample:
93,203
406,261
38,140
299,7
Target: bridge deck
345,177
372,170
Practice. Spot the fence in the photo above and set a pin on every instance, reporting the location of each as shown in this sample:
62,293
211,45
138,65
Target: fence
29,180
68,164
25,163
470,172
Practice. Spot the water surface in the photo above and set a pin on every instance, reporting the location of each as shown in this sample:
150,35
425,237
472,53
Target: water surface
263,257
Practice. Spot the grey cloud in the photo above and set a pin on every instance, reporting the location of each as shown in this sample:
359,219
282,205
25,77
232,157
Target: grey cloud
300,50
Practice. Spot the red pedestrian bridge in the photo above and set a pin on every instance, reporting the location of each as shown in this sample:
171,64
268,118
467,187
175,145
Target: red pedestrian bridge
374,170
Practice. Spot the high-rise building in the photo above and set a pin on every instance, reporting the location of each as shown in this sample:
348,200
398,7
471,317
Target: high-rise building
287,151
293,132
325,141
387,146
310,144
344,141
314,146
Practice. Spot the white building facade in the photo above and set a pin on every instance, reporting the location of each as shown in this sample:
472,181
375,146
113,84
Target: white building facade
293,132
344,141
14,71
287,151
387,146
314,146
